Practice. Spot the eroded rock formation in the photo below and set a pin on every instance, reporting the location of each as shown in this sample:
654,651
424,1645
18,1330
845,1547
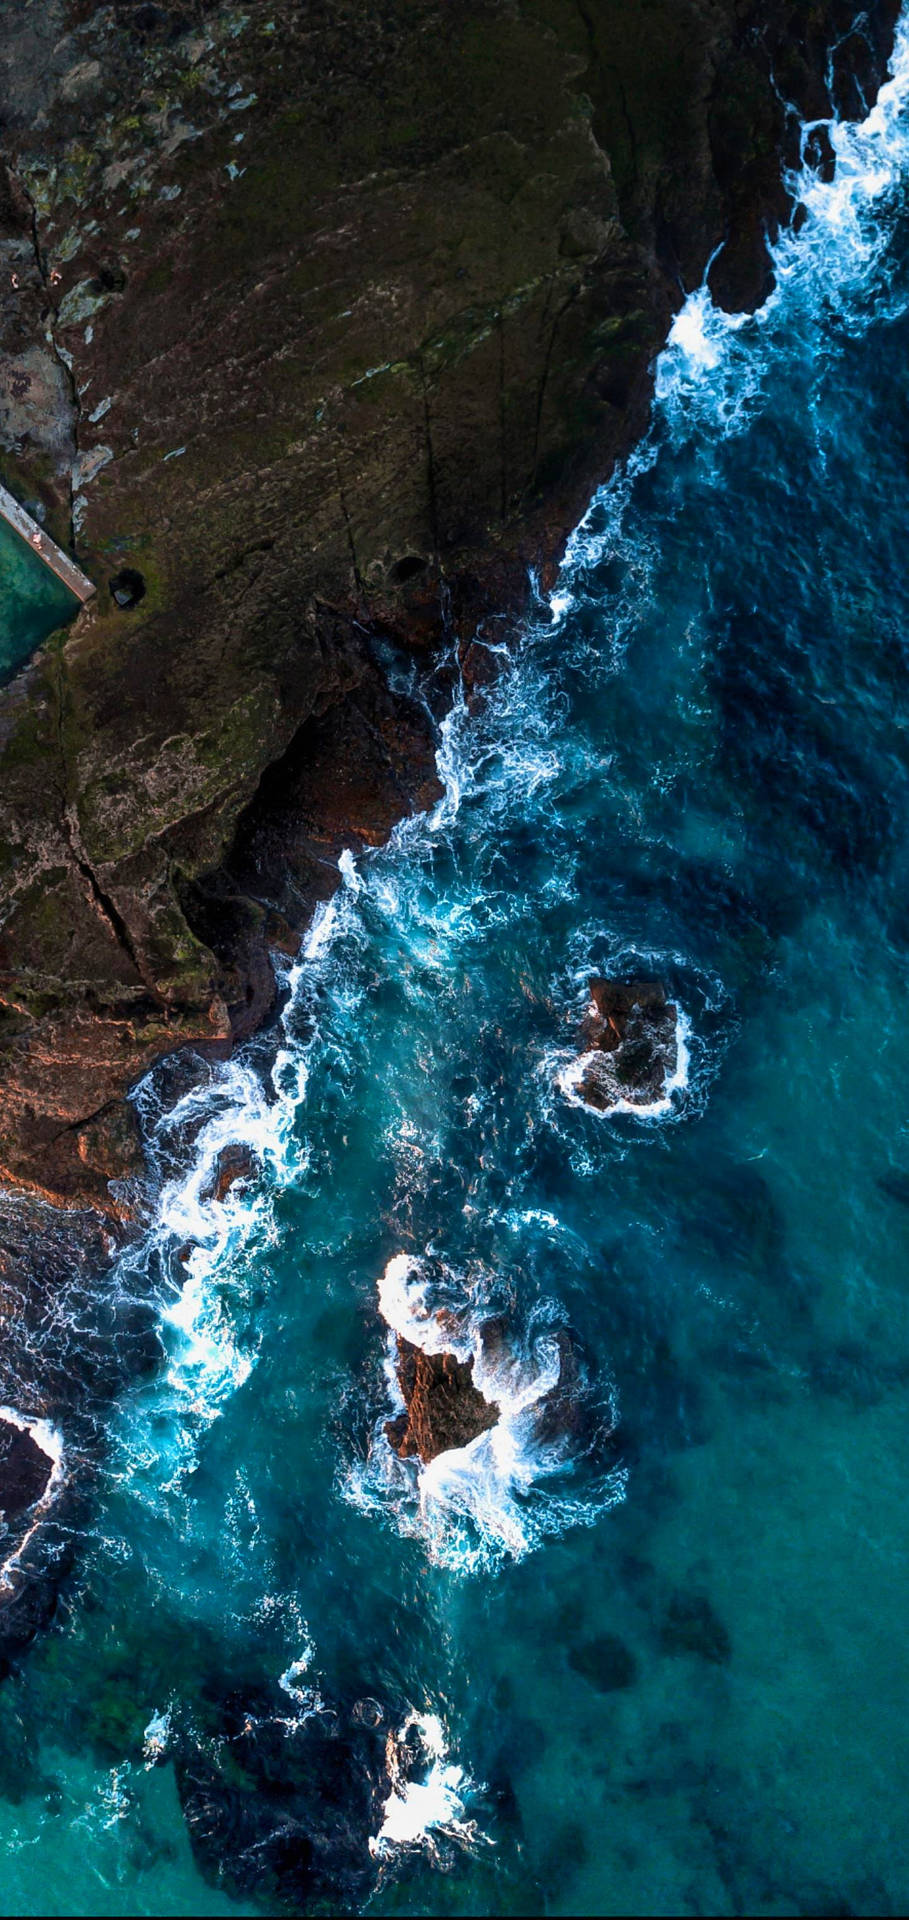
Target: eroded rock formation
443,1407
630,1037
326,321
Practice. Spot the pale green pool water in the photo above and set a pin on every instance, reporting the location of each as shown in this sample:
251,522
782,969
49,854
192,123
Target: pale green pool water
32,602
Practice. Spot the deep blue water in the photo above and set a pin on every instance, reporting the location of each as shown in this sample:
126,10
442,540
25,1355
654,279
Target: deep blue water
667,1667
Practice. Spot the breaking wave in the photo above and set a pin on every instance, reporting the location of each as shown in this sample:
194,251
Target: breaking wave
474,1506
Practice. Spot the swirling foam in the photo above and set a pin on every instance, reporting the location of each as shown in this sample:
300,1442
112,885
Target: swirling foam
476,1506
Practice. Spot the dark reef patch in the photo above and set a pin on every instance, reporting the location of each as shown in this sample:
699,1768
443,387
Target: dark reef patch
691,1625
605,1661
280,1809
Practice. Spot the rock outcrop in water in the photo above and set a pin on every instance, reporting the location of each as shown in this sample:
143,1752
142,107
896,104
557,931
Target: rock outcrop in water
25,1470
235,1166
325,323
61,1366
630,1040
443,1407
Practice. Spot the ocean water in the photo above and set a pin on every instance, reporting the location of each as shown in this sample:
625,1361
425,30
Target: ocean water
658,1667
32,602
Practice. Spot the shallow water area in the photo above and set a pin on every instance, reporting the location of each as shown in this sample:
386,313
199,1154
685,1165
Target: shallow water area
651,1662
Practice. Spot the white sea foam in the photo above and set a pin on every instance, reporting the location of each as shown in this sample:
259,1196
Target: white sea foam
420,1809
829,267
209,1355
476,1505
156,1738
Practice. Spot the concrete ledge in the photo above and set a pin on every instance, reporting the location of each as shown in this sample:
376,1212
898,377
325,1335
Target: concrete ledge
46,548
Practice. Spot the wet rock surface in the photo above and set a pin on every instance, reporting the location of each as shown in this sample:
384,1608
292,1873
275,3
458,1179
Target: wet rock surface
324,326
444,1407
63,1367
236,1166
25,1470
630,1041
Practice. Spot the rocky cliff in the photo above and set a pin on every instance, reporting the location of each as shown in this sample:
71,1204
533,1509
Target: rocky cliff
318,324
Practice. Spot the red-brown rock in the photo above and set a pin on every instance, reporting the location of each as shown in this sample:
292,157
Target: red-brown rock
444,1408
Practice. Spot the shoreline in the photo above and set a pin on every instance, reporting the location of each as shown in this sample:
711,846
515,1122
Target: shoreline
321,390
407,745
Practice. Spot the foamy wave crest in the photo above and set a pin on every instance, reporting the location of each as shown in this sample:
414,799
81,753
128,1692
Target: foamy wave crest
828,266
428,1794
203,1237
475,1506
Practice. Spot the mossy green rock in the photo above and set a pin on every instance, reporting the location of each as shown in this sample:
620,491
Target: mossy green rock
328,319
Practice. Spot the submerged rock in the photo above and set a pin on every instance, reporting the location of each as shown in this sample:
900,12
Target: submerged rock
605,1662
564,1414
692,1626
282,1810
630,1038
443,1407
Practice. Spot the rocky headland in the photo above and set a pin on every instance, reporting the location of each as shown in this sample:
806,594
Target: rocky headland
325,324
318,327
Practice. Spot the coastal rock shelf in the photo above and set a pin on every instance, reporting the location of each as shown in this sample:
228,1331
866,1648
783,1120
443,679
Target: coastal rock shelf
421,1396
322,326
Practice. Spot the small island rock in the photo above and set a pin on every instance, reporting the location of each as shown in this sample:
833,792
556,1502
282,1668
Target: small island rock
443,1407
631,1043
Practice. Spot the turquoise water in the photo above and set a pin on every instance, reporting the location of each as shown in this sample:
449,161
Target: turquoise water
32,601
660,1670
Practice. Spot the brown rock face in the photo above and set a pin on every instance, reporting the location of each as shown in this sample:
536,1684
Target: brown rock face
25,1471
327,321
633,1027
444,1408
236,1166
